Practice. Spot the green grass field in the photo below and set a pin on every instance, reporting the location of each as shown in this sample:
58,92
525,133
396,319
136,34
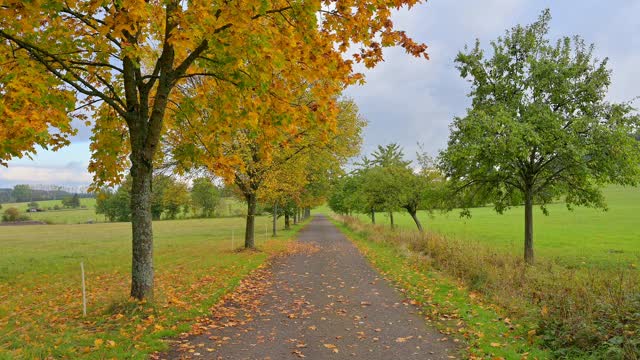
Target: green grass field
226,207
582,237
62,216
40,287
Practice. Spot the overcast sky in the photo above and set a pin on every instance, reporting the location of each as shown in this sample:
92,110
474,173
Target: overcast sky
408,100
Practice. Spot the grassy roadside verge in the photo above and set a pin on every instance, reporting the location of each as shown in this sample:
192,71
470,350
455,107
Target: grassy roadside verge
573,313
453,309
582,238
40,311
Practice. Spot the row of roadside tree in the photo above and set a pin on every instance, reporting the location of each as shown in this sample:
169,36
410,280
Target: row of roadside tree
540,129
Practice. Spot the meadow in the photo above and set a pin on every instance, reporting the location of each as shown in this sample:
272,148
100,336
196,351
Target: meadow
583,237
227,207
40,284
62,216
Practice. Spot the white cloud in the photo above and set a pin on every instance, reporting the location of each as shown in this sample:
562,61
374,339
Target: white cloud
408,100
71,174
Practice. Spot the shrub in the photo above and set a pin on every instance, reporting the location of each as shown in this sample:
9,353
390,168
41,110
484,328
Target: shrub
12,214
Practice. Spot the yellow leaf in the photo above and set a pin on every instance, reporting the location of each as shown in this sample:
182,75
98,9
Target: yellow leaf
544,311
403,339
332,347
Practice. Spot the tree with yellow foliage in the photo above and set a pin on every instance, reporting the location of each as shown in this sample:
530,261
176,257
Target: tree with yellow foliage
122,60
273,160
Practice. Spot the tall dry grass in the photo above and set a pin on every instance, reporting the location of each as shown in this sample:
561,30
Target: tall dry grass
580,313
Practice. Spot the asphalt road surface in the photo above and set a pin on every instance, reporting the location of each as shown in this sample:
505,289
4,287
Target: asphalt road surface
327,303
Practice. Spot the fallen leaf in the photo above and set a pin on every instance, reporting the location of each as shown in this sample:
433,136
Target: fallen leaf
403,339
298,353
332,347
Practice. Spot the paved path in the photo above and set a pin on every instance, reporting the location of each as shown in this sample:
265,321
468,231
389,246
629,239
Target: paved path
327,304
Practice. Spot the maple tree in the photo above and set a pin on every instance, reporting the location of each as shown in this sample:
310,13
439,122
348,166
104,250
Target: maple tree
33,112
273,158
205,196
176,199
122,60
281,189
303,182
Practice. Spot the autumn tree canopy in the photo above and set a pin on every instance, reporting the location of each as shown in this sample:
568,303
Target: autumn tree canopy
122,60
274,156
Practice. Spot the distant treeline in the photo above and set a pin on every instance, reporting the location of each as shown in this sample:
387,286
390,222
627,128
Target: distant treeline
27,193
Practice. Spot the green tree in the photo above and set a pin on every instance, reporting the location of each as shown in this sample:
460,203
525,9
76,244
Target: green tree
205,196
102,203
175,199
115,205
160,183
539,127
33,205
390,155
345,194
420,189
380,183
75,201
381,191
71,201
22,193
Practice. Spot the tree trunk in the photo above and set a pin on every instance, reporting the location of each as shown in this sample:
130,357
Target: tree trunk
249,238
373,216
275,220
414,216
528,228
295,216
287,222
391,218
307,213
142,229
